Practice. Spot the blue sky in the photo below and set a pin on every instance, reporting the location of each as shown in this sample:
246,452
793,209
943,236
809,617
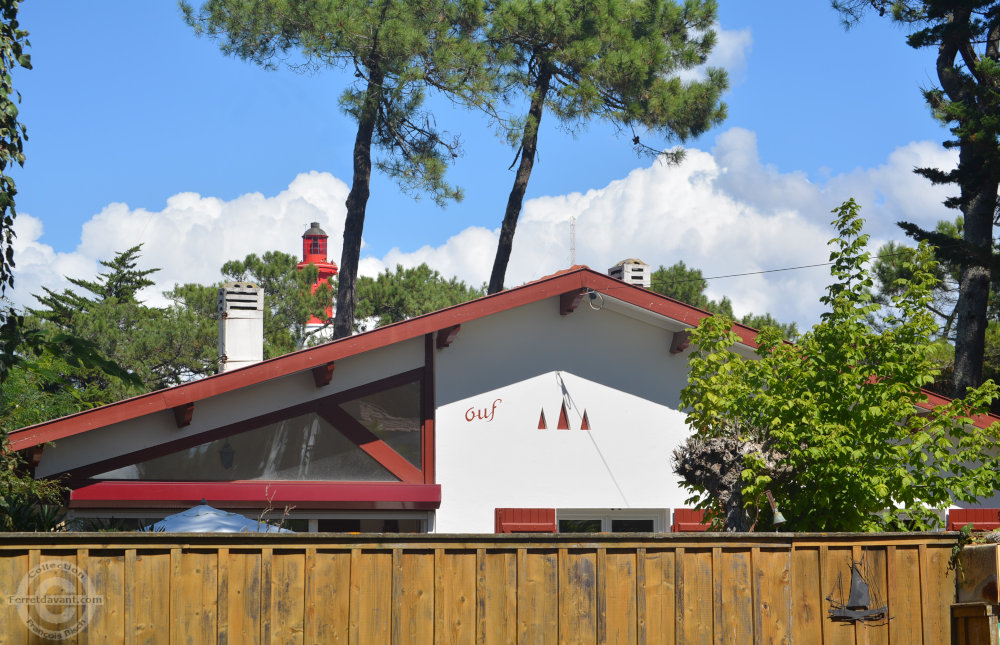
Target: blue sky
141,132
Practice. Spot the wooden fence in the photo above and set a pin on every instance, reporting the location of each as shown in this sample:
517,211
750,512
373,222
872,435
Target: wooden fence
323,588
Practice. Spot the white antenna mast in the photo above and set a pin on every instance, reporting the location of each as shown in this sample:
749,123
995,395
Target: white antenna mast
572,241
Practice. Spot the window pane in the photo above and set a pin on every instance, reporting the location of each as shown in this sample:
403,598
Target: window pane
631,526
393,416
579,526
302,448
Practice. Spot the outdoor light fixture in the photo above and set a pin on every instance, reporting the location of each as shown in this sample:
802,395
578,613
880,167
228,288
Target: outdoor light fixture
779,519
226,454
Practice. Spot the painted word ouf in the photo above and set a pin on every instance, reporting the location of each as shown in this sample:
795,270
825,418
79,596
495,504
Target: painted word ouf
482,414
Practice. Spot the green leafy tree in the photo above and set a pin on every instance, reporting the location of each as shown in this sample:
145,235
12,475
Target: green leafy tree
405,293
843,408
966,36
397,49
601,59
289,301
688,285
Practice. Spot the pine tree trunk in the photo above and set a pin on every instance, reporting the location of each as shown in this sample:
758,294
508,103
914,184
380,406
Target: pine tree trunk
357,202
529,142
979,204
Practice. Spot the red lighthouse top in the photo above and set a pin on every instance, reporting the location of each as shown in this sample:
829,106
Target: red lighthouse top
314,251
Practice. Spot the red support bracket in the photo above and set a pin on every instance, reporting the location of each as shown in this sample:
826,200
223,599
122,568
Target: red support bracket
323,374
446,336
680,341
569,301
183,414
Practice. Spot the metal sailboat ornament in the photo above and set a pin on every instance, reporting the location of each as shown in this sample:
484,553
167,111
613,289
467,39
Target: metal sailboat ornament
864,601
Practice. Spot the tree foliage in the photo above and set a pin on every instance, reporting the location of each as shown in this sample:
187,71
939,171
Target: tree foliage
845,406
966,37
397,50
395,296
601,59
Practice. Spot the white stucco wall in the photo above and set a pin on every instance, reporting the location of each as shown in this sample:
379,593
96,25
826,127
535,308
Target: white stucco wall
502,371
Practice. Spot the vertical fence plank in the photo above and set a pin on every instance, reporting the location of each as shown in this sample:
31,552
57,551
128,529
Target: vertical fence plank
310,628
620,585
877,632
940,593
198,603
287,594
717,596
266,558
34,560
152,597
698,596
537,595
375,594
333,595
129,592
222,595
107,622
679,597
577,596
807,595
775,600
660,596
736,591
499,571
243,597
601,588
414,611
906,625
457,607
837,578
640,596
13,567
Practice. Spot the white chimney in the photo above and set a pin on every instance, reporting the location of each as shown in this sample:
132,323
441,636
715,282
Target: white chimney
632,271
241,325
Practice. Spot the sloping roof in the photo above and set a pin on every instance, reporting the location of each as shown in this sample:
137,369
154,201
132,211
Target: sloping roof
572,280
569,281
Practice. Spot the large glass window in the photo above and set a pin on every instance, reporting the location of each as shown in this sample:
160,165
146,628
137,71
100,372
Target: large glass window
393,416
305,447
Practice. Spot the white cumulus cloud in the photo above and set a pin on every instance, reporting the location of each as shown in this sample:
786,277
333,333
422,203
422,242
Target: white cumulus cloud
724,212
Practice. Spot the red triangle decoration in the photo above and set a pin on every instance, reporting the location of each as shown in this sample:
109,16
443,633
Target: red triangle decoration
542,425
563,419
585,424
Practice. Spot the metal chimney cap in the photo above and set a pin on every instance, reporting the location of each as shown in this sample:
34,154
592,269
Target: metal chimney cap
314,229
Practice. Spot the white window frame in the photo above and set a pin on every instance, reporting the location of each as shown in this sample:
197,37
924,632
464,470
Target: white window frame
660,516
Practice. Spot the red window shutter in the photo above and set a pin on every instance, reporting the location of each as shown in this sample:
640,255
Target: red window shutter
689,520
982,519
525,520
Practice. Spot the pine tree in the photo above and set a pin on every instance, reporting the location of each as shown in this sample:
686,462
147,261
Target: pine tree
397,49
966,36
615,60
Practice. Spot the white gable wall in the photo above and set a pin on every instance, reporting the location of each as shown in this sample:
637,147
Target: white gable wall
503,370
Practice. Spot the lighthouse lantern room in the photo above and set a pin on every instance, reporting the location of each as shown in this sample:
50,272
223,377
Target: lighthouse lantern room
314,250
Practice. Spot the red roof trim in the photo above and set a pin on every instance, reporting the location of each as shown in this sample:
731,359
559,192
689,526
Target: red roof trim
258,494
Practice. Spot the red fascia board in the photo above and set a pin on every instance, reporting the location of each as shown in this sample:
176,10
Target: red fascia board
259,494
934,400
578,277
